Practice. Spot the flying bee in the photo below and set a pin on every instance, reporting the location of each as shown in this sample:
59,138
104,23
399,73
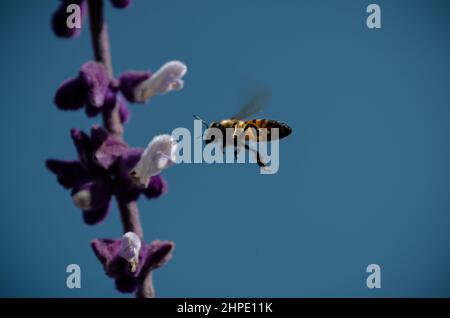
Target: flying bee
256,130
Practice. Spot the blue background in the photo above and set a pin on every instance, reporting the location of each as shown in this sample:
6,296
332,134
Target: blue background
365,177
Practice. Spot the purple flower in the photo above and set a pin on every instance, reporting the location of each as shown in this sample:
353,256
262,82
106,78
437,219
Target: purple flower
101,170
121,4
89,179
93,90
60,17
129,261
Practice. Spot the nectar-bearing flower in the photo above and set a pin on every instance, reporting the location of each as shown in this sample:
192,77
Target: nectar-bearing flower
100,156
150,257
93,90
167,78
159,155
90,182
130,248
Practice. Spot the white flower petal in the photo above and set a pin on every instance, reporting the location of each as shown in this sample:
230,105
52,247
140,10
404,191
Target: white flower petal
156,157
130,248
82,199
166,79
162,162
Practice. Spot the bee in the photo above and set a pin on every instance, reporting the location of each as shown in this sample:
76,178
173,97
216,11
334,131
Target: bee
252,128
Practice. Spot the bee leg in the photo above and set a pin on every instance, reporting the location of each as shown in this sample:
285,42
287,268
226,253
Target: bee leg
235,139
259,161
235,142
258,157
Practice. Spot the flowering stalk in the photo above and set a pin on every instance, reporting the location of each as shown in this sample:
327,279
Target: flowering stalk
108,167
102,54
129,211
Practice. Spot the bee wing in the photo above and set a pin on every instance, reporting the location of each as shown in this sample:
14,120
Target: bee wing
255,105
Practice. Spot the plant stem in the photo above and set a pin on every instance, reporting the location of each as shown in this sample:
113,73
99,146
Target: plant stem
102,53
129,211
146,289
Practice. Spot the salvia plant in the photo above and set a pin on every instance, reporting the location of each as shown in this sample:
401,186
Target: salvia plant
107,167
